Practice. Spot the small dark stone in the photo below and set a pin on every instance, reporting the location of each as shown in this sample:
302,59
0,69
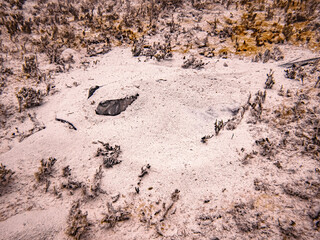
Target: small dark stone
92,90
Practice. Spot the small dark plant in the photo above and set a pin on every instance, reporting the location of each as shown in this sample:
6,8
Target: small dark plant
192,62
218,125
5,175
113,216
45,169
77,222
28,98
30,66
270,80
110,154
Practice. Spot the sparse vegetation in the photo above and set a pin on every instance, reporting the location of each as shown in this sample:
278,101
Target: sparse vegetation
77,222
192,62
267,147
28,98
291,72
5,176
30,66
114,215
35,35
110,154
218,125
95,187
155,50
276,55
44,29
71,185
257,105
270,80
45,170
66,171
5,113
204,139
120,23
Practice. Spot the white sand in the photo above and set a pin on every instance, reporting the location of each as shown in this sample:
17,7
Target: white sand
163,128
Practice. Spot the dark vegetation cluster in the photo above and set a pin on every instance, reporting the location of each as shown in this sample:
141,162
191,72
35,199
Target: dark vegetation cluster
5,176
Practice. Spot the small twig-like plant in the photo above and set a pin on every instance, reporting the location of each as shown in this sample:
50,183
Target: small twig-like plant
110,154
66,171
95,187
193,63
301,74
218,125
156,50
291,72
28,98
71,185
113,216
5,175
45,170
5,113
30,66
77,222
266,147
53,52
205,138
270,80
256,105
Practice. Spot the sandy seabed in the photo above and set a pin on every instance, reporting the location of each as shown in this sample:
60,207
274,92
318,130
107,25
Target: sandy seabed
225,187
215,146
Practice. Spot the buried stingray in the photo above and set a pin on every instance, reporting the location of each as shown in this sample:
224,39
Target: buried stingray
116,106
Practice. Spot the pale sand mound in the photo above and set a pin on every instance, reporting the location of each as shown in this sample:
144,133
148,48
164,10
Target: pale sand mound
176,107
